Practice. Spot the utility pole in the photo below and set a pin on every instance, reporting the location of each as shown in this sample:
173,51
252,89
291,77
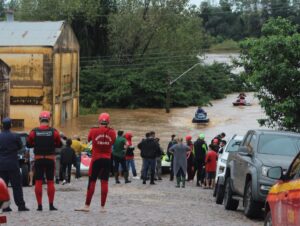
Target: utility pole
171,82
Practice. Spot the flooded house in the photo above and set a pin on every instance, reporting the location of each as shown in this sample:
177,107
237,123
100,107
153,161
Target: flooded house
44,62
4,89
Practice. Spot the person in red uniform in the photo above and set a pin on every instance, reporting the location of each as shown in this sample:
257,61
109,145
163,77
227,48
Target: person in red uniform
44,139
211,167
4,195
102,137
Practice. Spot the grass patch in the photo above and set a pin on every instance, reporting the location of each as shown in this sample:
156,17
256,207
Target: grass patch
225,46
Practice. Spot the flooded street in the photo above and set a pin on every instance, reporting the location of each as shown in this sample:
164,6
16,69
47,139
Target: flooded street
138,204
224,117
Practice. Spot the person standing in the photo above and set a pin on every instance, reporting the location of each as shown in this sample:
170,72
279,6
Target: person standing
44,139
158,160
211,167
78,148
119,157
103,138
180,152
130,163
190,159
9,164
200,149
67,158
58,169
149,149
170,155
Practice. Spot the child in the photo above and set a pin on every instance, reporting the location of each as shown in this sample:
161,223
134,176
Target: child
67,158
211,167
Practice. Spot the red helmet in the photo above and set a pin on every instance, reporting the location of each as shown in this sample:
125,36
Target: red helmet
188,138
104,118
45,115
4,195
215,141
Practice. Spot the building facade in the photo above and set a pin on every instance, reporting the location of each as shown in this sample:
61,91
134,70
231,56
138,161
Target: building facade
4,89
44,62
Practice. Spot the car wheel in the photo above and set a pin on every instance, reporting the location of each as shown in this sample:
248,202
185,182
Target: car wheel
229,202
219,194
268,219
252,209
25,175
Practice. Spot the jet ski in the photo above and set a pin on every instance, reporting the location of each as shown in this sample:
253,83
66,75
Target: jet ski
241,102
200,118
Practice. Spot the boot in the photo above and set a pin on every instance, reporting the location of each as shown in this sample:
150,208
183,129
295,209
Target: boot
152,179
183,182
117,178
126,178
178,182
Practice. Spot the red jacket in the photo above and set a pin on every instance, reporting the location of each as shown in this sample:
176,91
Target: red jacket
211,161
57,140
102,140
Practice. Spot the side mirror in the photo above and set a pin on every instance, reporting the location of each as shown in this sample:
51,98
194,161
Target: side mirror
244,151
275,173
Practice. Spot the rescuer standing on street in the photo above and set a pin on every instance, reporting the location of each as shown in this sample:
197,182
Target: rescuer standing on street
102,137
44,140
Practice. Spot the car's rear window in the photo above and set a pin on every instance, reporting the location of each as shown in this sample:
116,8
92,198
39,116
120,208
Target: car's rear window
279,145
233,145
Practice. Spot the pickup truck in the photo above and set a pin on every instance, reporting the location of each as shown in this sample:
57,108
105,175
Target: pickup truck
246,176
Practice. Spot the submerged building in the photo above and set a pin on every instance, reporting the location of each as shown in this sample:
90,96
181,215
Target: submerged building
44,62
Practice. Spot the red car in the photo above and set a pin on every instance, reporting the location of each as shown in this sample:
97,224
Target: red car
283,201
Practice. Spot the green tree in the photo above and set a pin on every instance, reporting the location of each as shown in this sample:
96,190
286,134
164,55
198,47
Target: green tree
272,65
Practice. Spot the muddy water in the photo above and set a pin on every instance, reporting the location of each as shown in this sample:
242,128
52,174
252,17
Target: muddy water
223,118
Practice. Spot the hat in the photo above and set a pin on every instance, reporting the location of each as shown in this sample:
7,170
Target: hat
6,122
202,136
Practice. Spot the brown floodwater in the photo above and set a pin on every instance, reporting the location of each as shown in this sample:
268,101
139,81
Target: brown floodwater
224,117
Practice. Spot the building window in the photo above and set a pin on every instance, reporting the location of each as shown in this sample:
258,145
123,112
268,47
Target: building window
18,123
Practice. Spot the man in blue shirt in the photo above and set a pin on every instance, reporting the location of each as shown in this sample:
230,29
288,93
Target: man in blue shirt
10,143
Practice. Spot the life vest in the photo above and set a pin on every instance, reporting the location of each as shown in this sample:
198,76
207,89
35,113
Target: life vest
44,141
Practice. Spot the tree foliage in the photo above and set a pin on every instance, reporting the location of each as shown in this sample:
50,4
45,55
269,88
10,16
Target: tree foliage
272,65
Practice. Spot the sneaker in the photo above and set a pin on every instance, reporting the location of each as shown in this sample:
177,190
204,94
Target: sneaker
64,182
144,182
23,208
136,178
118,182
152,183
159,178
8,209
127,181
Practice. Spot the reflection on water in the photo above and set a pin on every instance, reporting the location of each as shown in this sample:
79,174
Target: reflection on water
223,118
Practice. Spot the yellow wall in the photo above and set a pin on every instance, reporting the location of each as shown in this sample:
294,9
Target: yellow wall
30,114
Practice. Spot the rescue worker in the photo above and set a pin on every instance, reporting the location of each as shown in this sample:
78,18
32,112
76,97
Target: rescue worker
9,164
44,139
200,149
102,137
4,195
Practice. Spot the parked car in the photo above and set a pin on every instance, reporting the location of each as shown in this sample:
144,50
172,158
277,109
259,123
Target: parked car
246,171
23,155
283,201
232,146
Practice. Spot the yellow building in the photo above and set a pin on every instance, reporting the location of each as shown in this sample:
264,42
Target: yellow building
4,89
44,62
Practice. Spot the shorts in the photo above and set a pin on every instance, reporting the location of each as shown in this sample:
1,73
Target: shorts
42,167
210,175
100,169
